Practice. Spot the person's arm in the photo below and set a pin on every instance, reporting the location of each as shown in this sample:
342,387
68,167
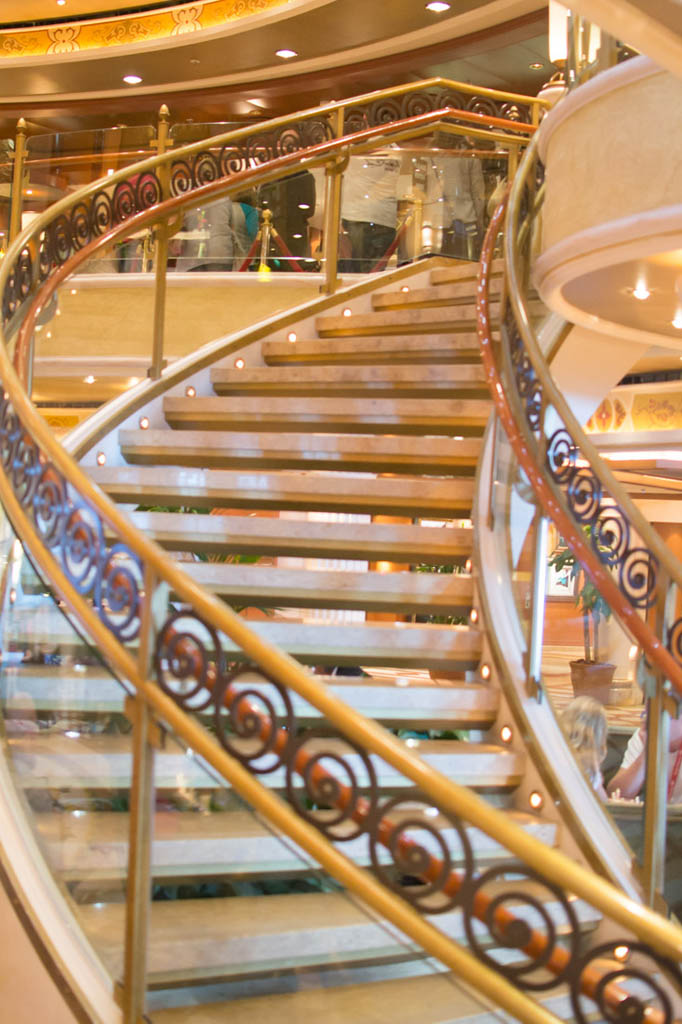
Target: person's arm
627,782
629,778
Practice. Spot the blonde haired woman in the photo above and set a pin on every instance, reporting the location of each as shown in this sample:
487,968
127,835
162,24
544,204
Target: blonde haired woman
585,727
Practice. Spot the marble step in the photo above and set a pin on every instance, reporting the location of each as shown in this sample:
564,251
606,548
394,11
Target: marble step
432,997
441,349
211,939
92,847
450,416
70,693
403,593
396,644
402,381
460,271
102,762
347,452
457,293
267,535
439,320
216,488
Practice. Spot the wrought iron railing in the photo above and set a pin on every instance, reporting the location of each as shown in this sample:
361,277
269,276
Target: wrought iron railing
620,551
116,583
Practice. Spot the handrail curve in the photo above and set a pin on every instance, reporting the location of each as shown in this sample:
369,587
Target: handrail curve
59,515
603,526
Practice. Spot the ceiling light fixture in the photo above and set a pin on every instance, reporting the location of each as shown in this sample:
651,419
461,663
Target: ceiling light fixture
536,66
641,292
677,322
286,54
60,3
132,79
438,6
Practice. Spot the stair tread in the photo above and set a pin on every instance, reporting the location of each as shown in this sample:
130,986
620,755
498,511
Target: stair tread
197,937
353,452
402,701
328,415
95,843
456,292
208,488
396,542
446,648
103,761
350,380
433,998
463,271
406,592
441,319
439,349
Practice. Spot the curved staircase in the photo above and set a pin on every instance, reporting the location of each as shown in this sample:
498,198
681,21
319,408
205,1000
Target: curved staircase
363,444
308,446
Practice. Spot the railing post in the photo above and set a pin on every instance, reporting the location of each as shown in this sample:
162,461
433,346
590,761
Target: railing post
146,738
332,211
655,794
538,596
17,180
161,255
657,758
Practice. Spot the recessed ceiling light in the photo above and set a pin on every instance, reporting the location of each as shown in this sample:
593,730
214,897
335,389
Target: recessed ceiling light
60,3
641,292
194,60
537,66
286,54
132,79
438,6
677,322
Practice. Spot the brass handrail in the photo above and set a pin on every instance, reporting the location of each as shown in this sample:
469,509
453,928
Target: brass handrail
43,475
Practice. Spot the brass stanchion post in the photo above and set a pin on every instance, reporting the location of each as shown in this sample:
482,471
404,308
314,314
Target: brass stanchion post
160,255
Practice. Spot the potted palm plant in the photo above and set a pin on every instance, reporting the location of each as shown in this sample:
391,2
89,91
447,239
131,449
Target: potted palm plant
589,676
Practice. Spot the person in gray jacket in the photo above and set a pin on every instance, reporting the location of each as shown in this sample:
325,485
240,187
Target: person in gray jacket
463,191
226,240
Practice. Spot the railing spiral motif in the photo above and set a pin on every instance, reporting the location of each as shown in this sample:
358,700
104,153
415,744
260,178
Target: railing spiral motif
207,163
420,852
396,108
332,783
610,529
108,573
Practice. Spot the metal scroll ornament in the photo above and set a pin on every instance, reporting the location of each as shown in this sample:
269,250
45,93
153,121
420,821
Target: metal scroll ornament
412,104
108,573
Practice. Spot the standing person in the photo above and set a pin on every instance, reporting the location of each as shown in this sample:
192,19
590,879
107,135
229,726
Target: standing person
628,781
227,238
369,210
463,190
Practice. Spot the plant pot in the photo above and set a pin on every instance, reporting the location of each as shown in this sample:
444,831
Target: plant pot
592,679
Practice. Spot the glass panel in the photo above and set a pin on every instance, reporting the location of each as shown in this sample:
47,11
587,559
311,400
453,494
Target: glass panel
58,164
68,744
240,912
186,134
420,198
275,228
6,172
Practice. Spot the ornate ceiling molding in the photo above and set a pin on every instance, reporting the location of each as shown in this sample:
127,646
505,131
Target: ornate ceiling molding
145,27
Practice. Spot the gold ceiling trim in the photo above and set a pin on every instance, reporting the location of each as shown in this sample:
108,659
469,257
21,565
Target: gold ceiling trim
74,37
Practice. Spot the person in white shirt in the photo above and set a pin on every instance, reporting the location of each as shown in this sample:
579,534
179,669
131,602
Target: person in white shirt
369,210
629,779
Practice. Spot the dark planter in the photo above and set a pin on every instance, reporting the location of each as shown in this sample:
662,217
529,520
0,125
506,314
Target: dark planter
592,679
